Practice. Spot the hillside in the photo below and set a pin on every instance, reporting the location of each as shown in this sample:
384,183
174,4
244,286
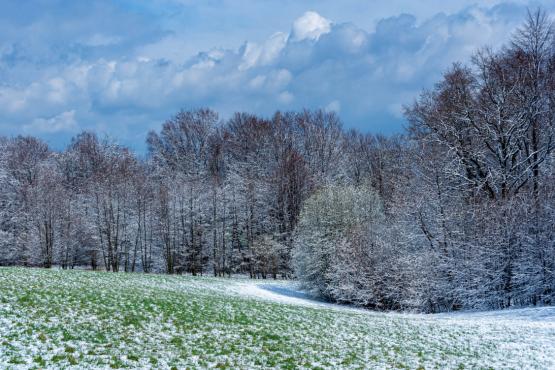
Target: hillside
56,319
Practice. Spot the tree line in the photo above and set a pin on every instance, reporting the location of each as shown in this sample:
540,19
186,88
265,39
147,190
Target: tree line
210,197
456,213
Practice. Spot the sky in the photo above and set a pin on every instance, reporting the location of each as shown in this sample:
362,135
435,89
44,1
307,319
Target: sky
121,68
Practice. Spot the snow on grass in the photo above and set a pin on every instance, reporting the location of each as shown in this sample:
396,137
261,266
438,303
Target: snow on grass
57,319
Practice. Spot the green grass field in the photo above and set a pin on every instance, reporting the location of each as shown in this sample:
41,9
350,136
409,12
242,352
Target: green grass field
58,319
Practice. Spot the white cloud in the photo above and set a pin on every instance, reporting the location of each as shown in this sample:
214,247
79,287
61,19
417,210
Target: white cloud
64,121
311,26
286,97
260,55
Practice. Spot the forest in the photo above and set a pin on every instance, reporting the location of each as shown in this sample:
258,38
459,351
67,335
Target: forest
457,212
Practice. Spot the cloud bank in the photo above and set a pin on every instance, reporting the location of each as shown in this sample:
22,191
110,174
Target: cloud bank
127,77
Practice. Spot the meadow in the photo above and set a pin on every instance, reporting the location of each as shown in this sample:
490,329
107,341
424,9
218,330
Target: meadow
80,319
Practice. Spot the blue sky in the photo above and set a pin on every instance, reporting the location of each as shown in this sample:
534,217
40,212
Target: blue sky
121,68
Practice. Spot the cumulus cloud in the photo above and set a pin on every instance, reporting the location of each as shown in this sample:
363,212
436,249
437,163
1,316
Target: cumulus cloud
366,73
64,121
311,26
260,55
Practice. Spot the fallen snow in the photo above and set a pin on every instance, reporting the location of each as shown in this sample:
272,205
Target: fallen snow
531,314
49,319
288,292
282,292
537,324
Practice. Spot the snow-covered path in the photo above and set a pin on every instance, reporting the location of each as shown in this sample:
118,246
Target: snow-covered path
289,293
280,292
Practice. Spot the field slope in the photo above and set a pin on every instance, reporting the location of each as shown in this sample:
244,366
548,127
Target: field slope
57,319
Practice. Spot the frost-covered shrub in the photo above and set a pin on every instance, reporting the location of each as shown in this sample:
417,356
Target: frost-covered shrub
341,249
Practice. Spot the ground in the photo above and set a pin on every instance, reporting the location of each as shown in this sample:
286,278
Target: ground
58,319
